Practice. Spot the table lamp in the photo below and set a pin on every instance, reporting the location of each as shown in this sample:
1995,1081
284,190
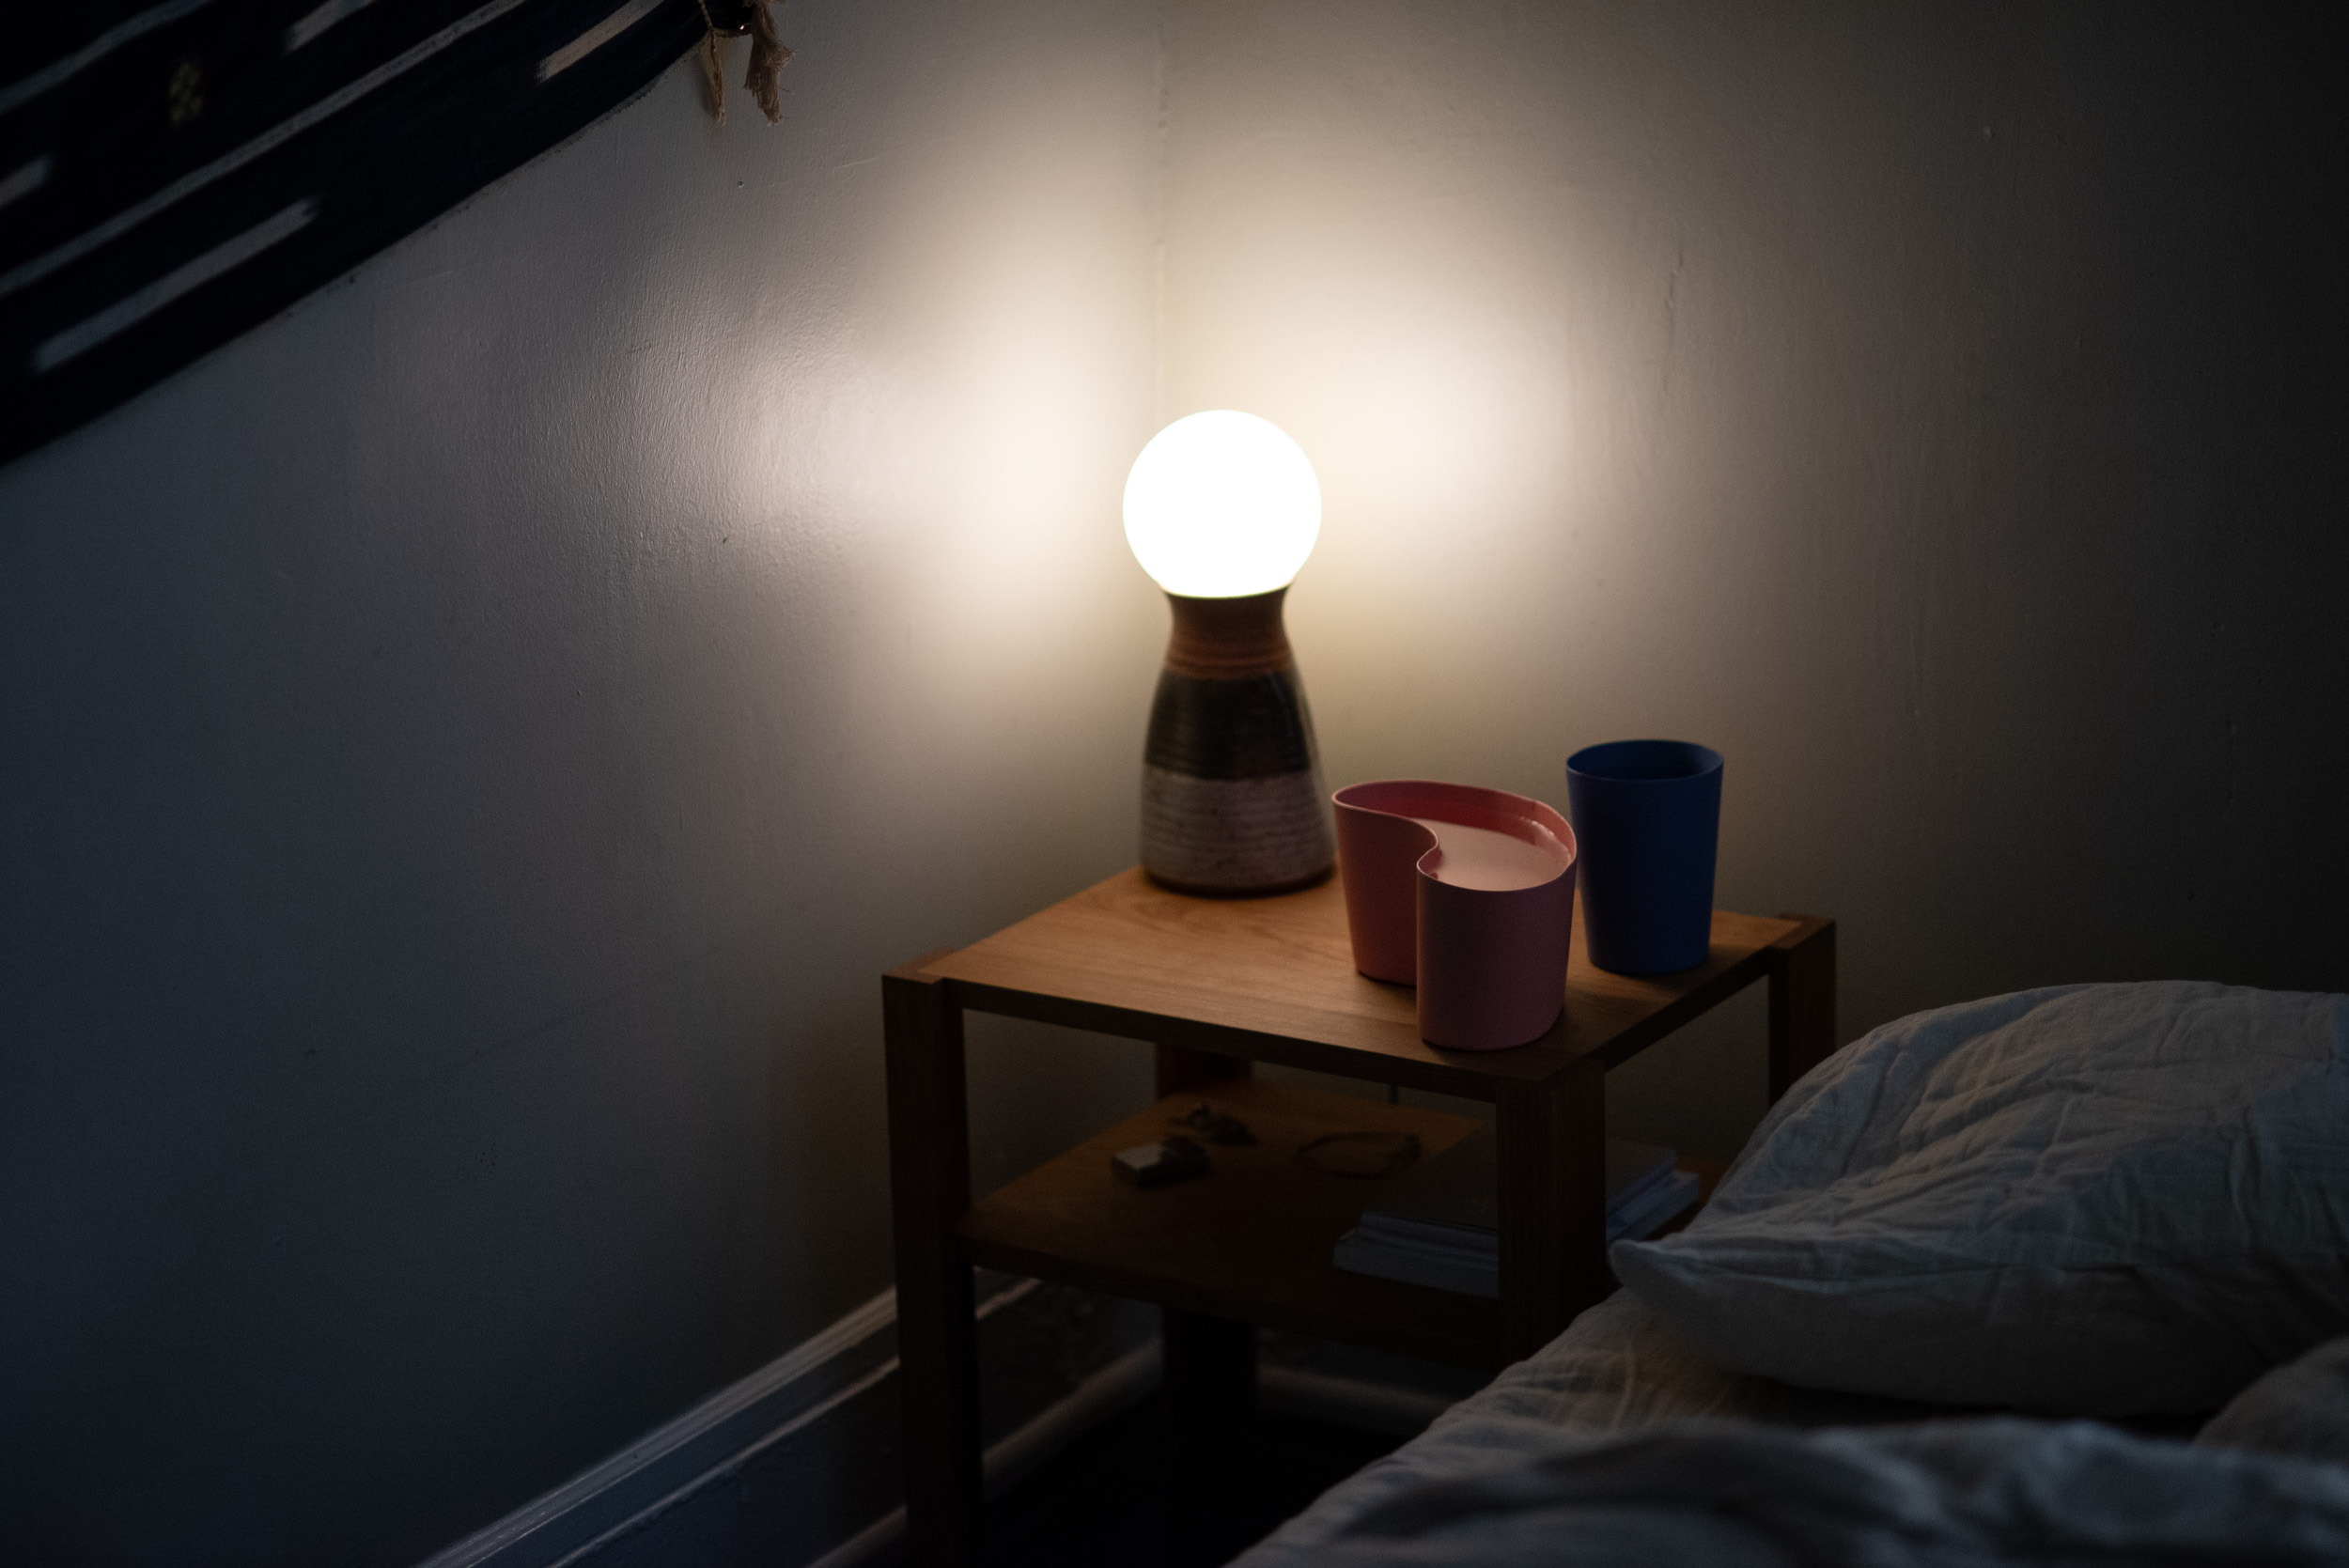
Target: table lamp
1222,509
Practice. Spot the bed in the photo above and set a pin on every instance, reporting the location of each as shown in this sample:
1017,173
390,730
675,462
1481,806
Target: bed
2061,1277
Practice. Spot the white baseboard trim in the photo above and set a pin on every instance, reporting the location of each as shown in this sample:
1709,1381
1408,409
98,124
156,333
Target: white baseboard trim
878,1542
673,1464
718,1472
1349,1401
1121,1383
713,1439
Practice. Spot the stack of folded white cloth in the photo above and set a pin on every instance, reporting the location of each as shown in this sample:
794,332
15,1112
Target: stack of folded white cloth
1438,1224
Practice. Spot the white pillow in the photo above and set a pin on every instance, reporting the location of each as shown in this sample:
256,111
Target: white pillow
2090,1200
2301,1409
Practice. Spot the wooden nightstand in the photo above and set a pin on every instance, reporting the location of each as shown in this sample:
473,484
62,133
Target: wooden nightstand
1215,985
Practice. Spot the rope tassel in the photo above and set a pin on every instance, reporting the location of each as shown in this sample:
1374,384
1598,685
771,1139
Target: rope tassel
769,54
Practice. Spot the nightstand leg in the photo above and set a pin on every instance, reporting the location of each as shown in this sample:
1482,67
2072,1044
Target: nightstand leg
1802,1001
1209,1362
1552,1175
929,1168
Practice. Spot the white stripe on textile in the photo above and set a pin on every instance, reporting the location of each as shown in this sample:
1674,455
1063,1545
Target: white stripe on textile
310,26
128,312
596,37
25,182
229,163
26,88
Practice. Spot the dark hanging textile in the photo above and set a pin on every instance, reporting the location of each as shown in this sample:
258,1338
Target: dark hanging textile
174,172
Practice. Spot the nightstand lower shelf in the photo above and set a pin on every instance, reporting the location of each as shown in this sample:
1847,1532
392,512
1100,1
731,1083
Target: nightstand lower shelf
1250,1240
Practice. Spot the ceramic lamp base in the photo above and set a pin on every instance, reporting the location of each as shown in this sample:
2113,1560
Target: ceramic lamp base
1232,802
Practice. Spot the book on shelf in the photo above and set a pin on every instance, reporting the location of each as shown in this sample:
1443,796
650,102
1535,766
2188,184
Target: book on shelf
1438,1224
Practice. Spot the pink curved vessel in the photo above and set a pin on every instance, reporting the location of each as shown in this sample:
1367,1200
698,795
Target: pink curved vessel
1467,893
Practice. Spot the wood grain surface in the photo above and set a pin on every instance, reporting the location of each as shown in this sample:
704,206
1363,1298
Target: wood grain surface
1251,1240
1274,979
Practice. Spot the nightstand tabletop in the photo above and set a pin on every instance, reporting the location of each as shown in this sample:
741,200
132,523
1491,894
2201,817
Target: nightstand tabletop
1274,979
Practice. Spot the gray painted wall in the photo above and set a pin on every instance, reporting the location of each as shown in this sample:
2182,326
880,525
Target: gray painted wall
471,744
1933,406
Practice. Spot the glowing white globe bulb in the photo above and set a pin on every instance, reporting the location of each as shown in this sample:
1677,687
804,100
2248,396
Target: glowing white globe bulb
1222,503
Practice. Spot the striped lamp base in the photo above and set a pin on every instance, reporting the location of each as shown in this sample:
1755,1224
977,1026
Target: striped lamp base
1232,800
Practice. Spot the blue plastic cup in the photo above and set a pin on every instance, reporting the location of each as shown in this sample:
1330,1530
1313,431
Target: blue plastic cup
1648,816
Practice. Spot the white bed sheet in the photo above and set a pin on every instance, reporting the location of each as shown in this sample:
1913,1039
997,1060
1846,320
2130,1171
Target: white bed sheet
1618,1368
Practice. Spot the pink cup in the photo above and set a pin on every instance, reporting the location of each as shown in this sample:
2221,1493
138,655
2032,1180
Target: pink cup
1467,893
